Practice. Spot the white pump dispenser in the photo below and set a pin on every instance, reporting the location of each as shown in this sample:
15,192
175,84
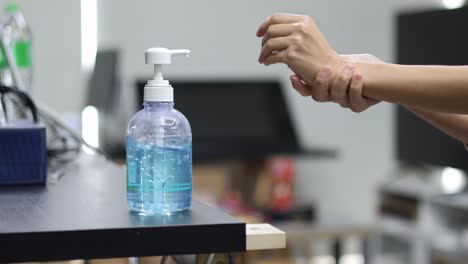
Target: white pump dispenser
158,89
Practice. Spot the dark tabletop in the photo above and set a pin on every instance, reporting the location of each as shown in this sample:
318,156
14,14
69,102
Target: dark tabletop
82,214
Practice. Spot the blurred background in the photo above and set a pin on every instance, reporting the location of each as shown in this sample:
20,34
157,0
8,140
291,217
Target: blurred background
341,185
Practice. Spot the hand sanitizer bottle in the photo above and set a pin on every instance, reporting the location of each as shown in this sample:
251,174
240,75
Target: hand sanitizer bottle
159,147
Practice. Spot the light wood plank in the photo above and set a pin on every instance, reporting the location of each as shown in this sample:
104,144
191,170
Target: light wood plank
264,236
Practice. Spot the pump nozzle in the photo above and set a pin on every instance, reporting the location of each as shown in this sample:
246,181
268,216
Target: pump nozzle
159,89
160,56
163,55
185,52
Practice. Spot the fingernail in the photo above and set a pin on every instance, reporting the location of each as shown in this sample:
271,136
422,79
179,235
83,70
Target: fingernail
358,77
293,83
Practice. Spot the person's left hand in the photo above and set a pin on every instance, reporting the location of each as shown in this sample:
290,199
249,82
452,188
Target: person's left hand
296,41
346,89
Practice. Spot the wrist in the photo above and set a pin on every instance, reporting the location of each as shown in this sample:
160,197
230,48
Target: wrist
376,76
335,61
337,65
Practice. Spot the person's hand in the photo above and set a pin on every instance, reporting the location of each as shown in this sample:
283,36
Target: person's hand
296,41
348,93
346,89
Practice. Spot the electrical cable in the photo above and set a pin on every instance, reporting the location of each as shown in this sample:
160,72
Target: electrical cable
26,100
4,108
53,118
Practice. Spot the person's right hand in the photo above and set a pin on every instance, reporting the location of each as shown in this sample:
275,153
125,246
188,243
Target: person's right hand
346,89
296,41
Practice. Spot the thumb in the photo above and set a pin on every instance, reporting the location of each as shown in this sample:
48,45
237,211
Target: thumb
300,86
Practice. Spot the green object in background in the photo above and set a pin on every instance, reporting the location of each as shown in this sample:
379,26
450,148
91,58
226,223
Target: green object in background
11,7
3,62
22,53
21,49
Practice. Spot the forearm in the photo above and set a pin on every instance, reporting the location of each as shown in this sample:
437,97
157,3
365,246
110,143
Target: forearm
437,88
454,125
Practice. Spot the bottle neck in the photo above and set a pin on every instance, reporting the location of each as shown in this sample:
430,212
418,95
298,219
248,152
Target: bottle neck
151,105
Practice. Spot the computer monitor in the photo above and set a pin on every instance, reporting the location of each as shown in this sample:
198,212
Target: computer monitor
432,37
103,88
234,119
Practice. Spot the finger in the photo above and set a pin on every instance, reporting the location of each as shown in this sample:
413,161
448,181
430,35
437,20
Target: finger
344,104
274,44
340,85
277,19
300,87
357,102
279,30
275,57
371,102
320,92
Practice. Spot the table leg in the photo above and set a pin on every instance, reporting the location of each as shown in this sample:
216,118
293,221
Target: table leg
337,250
209,258
164,259
366,250
219,258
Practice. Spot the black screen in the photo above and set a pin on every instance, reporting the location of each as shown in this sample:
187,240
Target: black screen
103,85
433,37
235,119
231,114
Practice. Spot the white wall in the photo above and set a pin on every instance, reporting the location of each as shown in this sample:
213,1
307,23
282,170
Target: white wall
221,35
56,51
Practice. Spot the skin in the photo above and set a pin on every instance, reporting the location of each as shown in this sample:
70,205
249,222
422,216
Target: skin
345,89
437,94
454,125
296,41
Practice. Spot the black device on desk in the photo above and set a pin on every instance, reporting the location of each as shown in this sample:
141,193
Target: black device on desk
431,37
234,119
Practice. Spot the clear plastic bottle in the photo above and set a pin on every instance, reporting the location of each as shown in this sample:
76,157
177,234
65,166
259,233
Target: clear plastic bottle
19,37
159,151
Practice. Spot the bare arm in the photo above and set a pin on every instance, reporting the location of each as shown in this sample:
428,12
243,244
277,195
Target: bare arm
436,88
454,125
347,90
297,41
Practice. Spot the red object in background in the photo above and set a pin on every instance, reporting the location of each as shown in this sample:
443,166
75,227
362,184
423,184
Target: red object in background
282,190
233,205
232,202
